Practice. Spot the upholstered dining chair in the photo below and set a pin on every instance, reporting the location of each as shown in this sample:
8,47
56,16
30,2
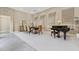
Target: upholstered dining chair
40,29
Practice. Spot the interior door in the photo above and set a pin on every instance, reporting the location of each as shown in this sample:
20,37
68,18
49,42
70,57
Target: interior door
5,24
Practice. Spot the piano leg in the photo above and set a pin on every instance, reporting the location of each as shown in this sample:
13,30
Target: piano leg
58,35
64,35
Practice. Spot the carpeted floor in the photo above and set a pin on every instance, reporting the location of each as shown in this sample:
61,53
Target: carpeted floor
22,41
45,42
11,42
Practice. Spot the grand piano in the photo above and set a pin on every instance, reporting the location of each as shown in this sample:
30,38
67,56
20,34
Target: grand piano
57,29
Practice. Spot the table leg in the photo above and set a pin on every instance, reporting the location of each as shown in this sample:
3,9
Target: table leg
54,33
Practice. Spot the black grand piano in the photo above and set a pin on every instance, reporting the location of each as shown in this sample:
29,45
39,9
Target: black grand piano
57,29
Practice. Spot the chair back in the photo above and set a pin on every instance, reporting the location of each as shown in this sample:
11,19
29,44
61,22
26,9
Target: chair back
40,28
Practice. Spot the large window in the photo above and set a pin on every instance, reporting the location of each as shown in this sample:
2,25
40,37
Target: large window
43,21
51,20
68,16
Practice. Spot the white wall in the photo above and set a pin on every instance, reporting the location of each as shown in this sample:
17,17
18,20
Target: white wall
56,16
16,17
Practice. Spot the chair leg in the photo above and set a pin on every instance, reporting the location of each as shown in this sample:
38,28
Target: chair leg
51,33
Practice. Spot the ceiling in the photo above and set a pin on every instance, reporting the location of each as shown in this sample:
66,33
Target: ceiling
31,9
